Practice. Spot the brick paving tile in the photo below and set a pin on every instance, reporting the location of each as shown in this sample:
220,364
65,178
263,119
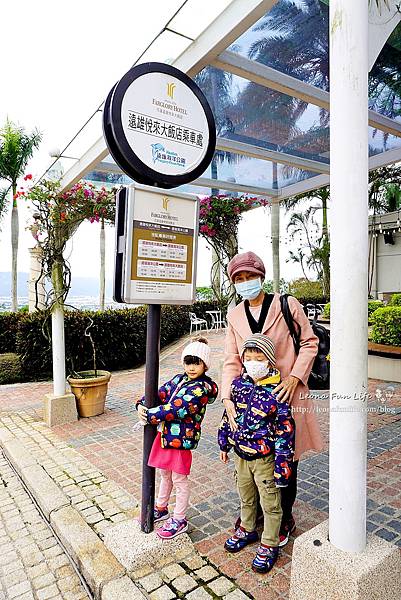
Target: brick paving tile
26,569
96,460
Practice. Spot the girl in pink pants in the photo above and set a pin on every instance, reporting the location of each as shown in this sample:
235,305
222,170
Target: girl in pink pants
179,416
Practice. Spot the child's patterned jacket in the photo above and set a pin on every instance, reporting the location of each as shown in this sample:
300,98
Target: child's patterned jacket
265,425
181,413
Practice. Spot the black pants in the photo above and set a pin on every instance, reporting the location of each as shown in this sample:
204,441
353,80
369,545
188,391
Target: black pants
289,493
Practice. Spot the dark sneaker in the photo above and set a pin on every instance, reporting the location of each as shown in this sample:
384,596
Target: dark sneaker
160,514
240,539
286,530
172,528
266,557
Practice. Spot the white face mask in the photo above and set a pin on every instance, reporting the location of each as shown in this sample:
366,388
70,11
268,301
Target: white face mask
249,290
256,368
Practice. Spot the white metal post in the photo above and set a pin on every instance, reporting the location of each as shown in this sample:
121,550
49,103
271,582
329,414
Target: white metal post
58,342
58,348
349,270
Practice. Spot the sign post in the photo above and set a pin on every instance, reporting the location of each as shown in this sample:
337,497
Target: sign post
160,130
151,388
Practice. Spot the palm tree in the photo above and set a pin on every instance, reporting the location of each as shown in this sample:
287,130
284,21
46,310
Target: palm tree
16,148
320,252
216,85
3,203
384,189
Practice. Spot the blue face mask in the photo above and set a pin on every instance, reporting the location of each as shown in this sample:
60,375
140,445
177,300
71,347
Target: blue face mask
249,290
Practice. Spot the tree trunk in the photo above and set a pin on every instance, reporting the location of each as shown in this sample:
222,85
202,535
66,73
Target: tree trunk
275,235
102,266
14,251
233,250
216,275
326,243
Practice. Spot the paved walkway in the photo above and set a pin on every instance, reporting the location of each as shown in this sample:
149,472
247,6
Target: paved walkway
114,451
31,559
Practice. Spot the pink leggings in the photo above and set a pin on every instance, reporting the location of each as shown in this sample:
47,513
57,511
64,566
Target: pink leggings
181,484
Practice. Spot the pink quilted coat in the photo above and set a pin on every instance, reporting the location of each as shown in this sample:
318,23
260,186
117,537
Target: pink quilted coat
307,432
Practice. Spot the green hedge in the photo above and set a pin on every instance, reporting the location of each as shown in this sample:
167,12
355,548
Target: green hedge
395,300
10,368
119,336
8,331
373,305
387,326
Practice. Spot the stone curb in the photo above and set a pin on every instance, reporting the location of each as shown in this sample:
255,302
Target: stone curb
97,564
103,573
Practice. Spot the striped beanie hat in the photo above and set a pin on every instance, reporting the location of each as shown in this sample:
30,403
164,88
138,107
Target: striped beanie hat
263,343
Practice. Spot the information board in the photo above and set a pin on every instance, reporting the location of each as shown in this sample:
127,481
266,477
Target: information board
156,247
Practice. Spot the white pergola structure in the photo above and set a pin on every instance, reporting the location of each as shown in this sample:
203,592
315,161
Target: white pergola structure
299,159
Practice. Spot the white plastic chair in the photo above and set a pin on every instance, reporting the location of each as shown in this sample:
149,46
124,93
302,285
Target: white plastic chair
218,321
196,323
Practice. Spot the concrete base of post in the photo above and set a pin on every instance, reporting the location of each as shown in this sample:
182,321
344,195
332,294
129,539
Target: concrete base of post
59,410
320,571
136,550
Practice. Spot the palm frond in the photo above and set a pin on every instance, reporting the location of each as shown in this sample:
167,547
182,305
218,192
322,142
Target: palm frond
16,148
3,202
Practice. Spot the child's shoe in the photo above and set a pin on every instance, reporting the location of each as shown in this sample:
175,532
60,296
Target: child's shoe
286,530
240,539
172,528
160,514
265,558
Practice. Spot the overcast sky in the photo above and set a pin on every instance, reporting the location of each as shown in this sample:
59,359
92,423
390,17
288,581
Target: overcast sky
59,60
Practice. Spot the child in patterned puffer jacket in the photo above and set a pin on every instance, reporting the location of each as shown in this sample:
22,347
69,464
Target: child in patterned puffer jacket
263,445
183,405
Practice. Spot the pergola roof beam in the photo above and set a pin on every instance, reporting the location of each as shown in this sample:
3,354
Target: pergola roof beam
233,62
255,151
232,186
313,183
237,18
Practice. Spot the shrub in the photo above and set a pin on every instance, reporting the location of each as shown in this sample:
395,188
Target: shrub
10,368
307,292
372,306
326,311
119,337
387,326
395,300
8,331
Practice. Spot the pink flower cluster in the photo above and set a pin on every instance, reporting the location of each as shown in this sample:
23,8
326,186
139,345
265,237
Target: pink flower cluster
208,231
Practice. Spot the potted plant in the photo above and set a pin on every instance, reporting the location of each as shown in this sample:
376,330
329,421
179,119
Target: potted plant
90,387
57,217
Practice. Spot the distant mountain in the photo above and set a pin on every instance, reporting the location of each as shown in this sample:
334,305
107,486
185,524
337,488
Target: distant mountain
80,286
5,284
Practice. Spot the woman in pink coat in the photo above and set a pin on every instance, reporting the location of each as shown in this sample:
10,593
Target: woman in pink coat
261,313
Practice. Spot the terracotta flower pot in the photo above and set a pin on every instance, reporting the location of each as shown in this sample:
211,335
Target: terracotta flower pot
90,392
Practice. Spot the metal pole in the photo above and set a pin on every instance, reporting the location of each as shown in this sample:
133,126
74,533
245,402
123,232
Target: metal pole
149,434
349,272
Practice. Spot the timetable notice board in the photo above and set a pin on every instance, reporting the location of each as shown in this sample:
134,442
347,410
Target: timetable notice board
164,235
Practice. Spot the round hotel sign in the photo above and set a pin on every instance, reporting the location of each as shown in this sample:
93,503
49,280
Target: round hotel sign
158,126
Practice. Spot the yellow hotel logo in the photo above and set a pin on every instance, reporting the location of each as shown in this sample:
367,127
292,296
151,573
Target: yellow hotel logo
170,90
166,200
